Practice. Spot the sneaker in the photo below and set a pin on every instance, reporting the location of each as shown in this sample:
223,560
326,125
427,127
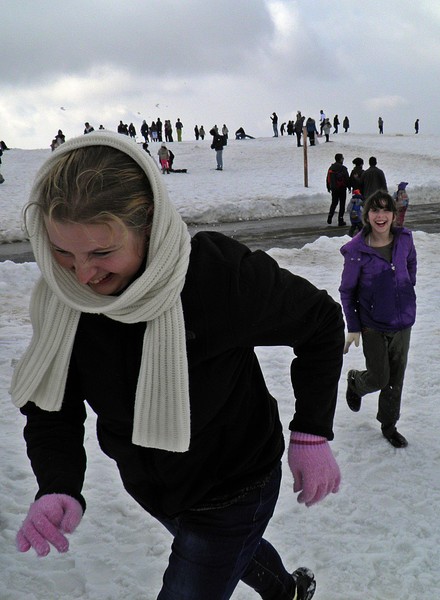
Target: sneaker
396,439
342,223
353,399
305,584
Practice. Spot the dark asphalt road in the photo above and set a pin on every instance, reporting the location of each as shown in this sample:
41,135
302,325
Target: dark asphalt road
280,232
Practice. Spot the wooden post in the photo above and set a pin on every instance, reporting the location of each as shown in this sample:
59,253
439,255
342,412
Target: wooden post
306,165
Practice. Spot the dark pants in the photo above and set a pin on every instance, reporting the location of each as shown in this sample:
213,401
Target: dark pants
214,549
386,356
338,197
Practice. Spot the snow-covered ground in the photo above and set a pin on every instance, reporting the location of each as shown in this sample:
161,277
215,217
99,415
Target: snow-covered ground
378,539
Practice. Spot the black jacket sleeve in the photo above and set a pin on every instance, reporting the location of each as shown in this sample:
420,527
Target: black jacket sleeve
270,306
55,444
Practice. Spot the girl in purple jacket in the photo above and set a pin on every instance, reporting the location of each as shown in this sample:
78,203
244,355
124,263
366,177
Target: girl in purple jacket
379,301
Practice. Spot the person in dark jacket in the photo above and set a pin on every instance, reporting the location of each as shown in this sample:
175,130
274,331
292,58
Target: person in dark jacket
298,127
379,301
156,332
373,179
337,182
356,173
217,144
311,130
274,119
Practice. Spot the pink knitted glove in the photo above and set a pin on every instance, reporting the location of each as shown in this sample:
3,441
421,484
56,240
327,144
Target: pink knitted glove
48,518
314,468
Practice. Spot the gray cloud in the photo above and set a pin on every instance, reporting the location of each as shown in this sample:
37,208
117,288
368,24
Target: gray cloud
155,37
233,60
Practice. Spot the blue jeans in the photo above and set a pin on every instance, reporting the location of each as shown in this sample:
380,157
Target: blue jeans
214,549
219,157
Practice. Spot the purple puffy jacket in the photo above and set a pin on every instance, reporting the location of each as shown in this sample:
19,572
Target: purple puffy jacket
375,293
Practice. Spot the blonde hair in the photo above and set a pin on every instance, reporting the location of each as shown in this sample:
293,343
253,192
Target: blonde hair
96,185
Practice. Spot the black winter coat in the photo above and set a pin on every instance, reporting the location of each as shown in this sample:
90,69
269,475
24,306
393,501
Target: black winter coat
233,300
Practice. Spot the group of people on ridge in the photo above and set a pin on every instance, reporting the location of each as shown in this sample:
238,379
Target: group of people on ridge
362,183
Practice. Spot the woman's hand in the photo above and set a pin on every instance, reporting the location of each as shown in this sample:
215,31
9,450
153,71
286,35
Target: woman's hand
48,519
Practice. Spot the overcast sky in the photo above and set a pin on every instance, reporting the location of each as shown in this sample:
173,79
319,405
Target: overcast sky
229,61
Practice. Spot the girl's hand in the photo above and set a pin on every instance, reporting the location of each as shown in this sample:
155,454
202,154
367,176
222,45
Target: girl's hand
351,337
48,518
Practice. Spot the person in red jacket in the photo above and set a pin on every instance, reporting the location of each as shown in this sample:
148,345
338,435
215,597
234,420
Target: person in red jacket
156,332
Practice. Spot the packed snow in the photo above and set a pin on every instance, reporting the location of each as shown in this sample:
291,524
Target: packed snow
378,538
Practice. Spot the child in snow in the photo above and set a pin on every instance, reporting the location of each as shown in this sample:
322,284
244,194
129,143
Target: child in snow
379,301
156,332
354,210
164,158
401,199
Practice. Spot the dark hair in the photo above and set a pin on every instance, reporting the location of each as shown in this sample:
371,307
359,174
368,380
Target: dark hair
376,201
372,161
339,157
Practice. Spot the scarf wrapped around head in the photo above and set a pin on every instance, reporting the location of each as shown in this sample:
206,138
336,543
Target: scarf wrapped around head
162,408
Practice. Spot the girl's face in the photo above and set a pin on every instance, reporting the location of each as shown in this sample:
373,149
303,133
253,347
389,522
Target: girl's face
105,257
380,220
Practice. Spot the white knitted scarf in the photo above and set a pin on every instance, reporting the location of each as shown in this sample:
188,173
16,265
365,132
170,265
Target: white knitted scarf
162,409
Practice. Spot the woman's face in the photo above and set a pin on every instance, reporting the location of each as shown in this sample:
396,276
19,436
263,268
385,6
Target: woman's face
105,257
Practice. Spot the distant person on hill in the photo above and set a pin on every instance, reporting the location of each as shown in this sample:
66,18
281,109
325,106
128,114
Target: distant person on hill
311,130
274,119
59,139
356,173
144,130
168,129
153,132
299,124
240,134
218,143
373,179
380,124
179,127
402,201
322,118
416,126
159,129
202,132
123,128
88,128
2,179
132,130
336,124
337,182
327,129
164,158
346,124
196,132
